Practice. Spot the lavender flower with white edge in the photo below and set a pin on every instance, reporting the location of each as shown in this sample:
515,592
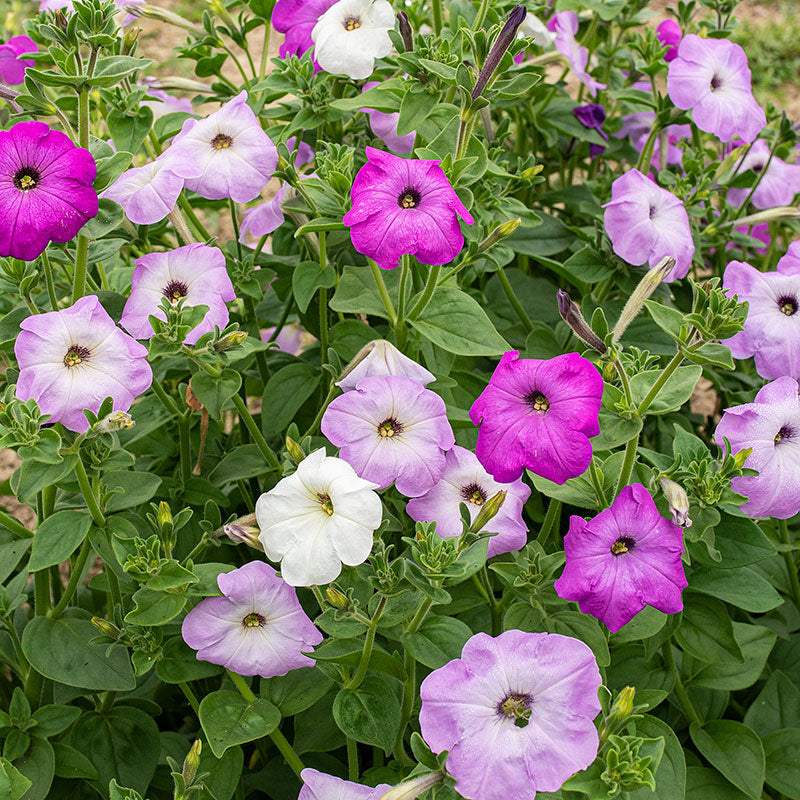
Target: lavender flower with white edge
227,154
779,183
351,35
515,713
391,430
564,24
380,358
195,274
464,480
318,518
256,628
319,786
71,360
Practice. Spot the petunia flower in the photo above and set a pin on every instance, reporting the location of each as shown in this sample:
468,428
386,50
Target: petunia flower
464,480
46,192
538,414
384,126
147,193
292,338
71,360
646,223
778,185
164,103
320,786
533,28
515,713
256,628
564,24
305,152
625,558
711,77
227,154
264,218
12,65
669,34
351,35
318,518
405,206
194,273
771,427
296,19
391,429
381,358
592,116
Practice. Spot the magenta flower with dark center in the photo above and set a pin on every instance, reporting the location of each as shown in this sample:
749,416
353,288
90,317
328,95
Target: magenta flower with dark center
538,414
625,558
296,19
12,65
46,192
669,34
405,206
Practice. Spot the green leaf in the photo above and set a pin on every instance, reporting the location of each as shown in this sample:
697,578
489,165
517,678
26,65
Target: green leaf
13,784
245,461
356,292
154,608
224,774
706,631
71,763
740,541
109,217
285,393
648,622
320,225
777,706
735,750
707,784
673,394
54,719
112,69
348,651
296,691
135,488
370,714
37,765
307,278
671,773
179,663
228,719
756,643
583,627
128,131
11,554
61,649
456,322
110,168
437,641
667,318
414,109
782,750
58,537
216,393
741,587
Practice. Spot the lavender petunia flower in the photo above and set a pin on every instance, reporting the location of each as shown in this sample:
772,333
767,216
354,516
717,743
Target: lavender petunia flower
465,481
292,338
669,34
515,713
195,273
318,518
384,126
12,65
391,429
319,786
405,206
296,19
646,223
146,193
46,192
227,154
381,358
71,360
564,24
711,77
305,152
778,185
164,103
771,427
256,628
625,558
538,414
264,218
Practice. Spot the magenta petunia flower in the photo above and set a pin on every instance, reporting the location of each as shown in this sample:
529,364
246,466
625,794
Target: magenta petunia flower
195,273
146,193
538,414
384,126
464,480
778,185
71,360
711,77
227,154
564,24
256,628
381,358
771,427
391,429
296,19
669,34
646,223
12,65
405,206
515,713
46,192
625,558
320,786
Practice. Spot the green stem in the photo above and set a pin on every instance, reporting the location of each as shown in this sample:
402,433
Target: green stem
235,221
186,448
680,689
14,525
255,331
623,379
323,302
192,217
597,484
190,696
241,685
352,760
48,277
287,751
263,68
82,249
41,592
515,304
550,519
409,692
74,579
788,559
166,400
646,156
481,15
674,363
383,292
427,292
88,494
332,392
628,461
437,16
369,641
258,437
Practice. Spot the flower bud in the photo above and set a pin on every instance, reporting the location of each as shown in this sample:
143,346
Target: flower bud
164,515
501,44
499,233
229,341
162,15
219,10
770,215
8,94
571,314
623,705
410,789
647,285
294,450
243,534
105,627
336,598
678,502
404,26
115,421
531,172
192,762
129,40
488,511
741,457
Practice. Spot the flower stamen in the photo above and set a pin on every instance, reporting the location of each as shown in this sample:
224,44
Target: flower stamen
623,545
473,493
352,24
517,707
536,401
409,198
76,355
389,428
716,82
327,504
175,290
254,620
785,434
222,141
26,179
788,305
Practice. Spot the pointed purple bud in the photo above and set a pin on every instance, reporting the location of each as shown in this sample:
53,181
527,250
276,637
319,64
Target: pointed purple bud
571,314
501,44
406,33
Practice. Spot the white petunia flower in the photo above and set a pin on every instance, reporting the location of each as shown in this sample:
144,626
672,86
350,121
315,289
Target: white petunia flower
317,519
381,358
533,28
351,34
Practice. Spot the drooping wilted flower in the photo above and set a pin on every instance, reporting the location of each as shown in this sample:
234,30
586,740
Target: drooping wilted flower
380,358
625,558
515,713
320,786
12,65
779,183
147,193
564,24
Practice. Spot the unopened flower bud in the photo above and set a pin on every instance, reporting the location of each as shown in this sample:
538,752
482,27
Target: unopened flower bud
191,763
404,26
410,789
531,172
164,515
129,40
770,215
571,314
336,598
647,285
162,15
498,234
623,705
220,11
678,502
501,44
488,511
294,450
741,457
105,627
243,534
115,421
229,341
